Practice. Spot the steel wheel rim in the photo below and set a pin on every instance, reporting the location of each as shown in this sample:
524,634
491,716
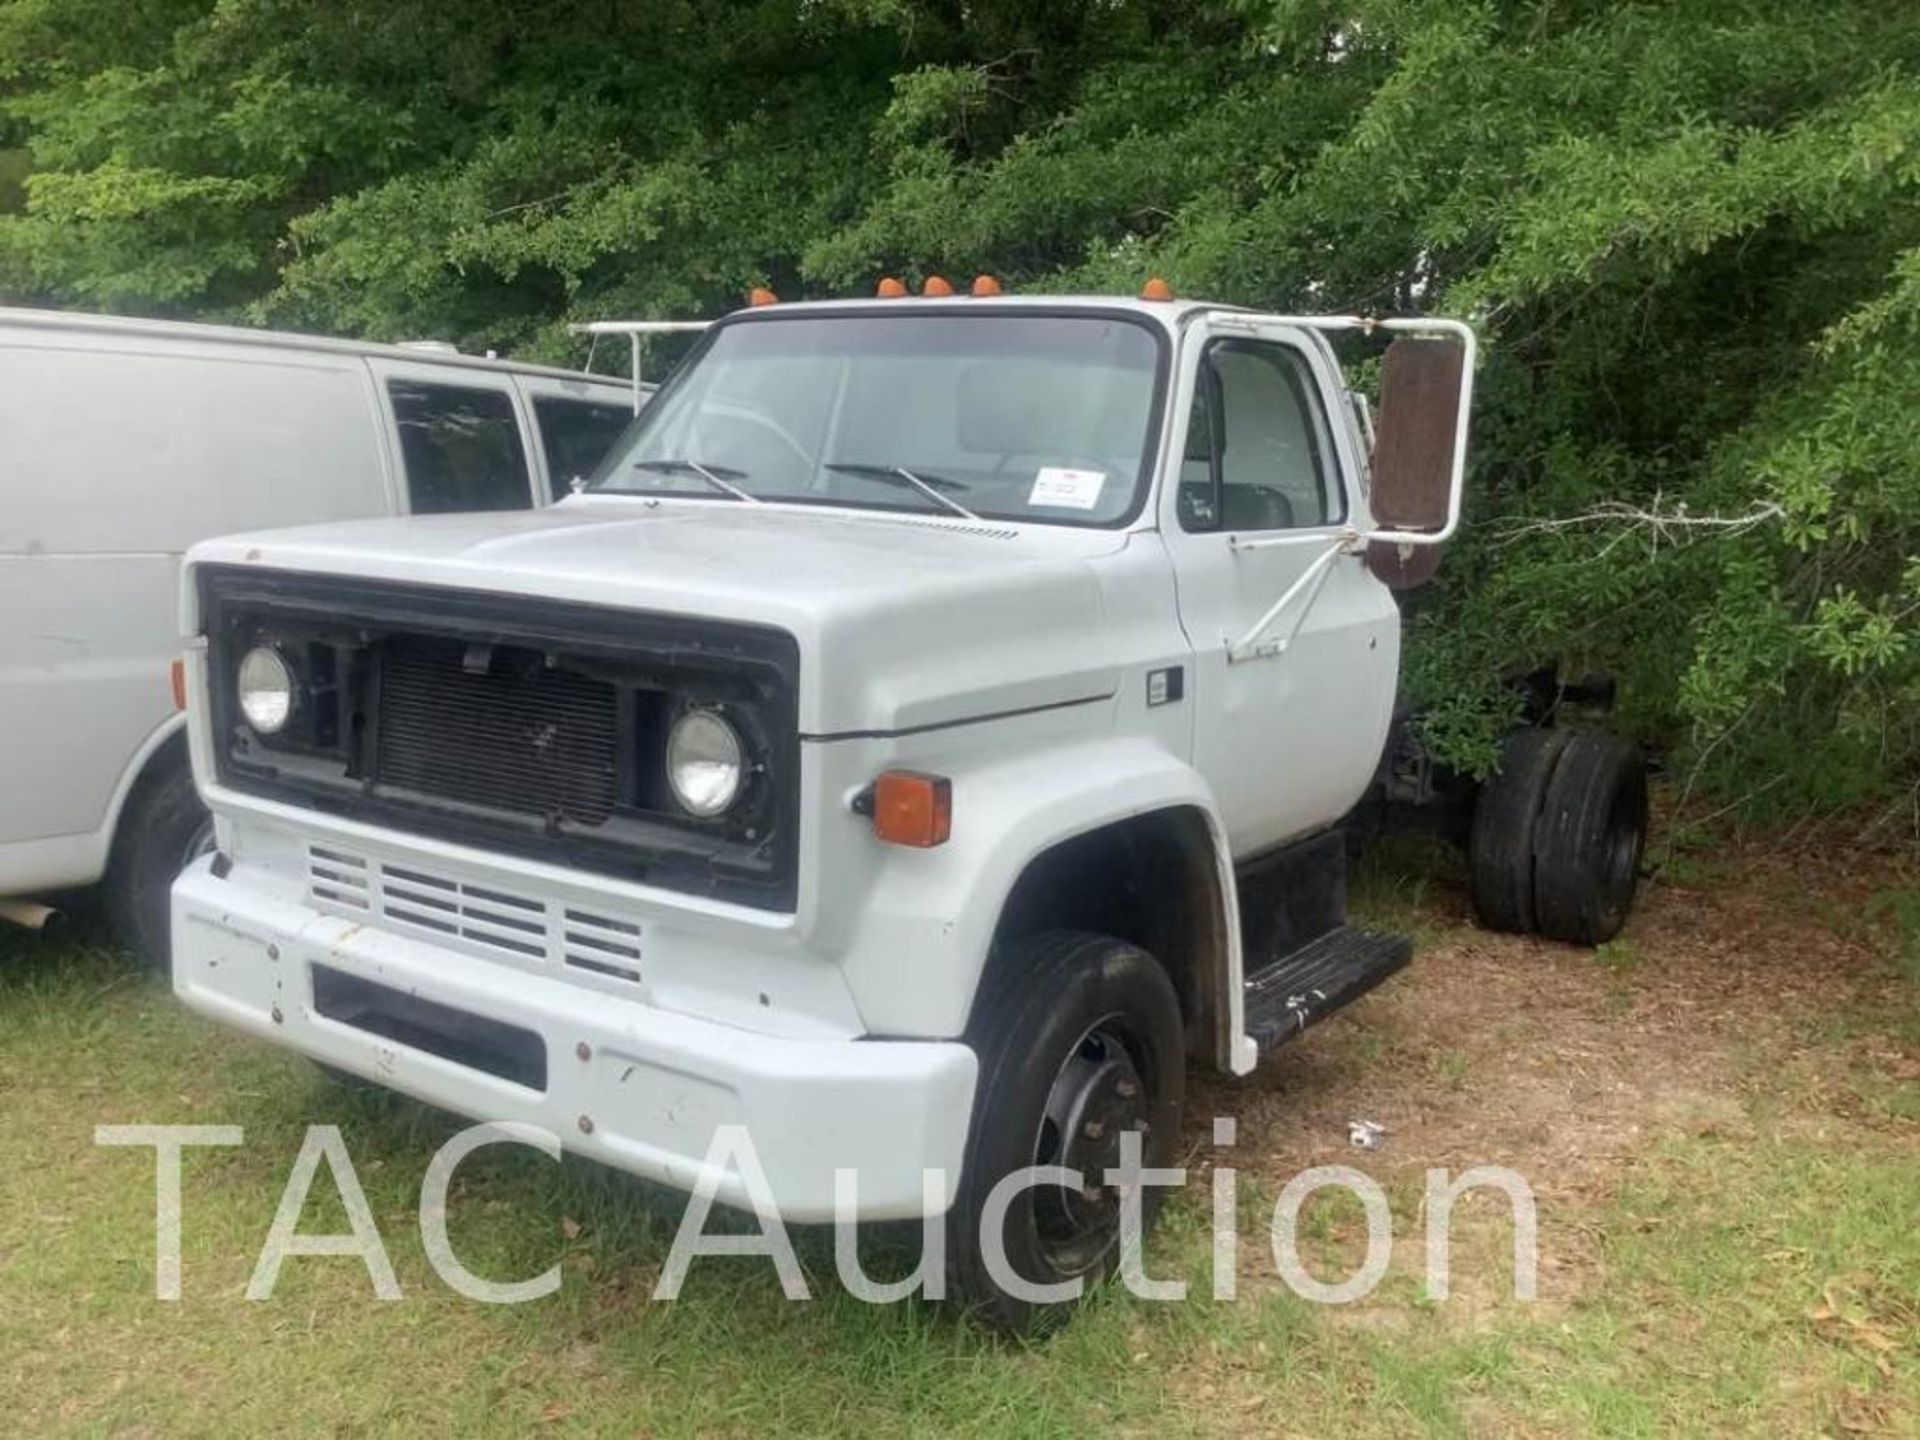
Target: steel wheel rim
1098,1094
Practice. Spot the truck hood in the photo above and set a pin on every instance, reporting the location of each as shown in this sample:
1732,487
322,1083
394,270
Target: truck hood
902,622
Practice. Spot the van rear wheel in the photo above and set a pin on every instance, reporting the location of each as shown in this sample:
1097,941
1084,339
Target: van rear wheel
1081,1046
163,827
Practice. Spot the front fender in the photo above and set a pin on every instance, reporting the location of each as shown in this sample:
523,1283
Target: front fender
921,937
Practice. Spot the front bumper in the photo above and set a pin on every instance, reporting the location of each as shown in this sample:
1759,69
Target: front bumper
634,1086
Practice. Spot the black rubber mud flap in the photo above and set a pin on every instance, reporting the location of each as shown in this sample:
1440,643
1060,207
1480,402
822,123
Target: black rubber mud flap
1588,839
1500,851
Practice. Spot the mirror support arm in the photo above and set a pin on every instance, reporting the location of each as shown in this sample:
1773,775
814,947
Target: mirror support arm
1256,644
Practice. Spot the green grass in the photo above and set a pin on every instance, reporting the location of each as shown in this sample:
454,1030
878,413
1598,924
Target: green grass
1389,883
1762,1287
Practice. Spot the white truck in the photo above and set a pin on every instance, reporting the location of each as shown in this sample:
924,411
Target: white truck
928,733
124,441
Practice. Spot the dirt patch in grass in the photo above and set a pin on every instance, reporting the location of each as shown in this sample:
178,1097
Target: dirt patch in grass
1557,1061
1740,1017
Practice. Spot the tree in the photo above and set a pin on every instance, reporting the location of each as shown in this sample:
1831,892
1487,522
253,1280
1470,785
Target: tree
1687,229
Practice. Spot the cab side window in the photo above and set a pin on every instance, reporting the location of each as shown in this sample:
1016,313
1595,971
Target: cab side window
461,447
574,435
1257,455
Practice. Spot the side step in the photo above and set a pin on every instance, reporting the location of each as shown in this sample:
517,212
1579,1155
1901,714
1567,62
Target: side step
1305,987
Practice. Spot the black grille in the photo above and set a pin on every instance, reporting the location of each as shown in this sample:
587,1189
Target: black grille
499,729
514,723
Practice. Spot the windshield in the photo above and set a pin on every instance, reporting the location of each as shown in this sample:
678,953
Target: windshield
1020,417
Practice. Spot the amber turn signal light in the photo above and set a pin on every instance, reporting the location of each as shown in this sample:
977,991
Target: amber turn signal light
178,672
910,808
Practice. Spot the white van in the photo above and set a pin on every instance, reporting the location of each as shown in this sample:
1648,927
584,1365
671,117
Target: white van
122,442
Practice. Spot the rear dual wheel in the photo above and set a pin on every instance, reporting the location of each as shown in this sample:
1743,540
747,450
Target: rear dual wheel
1558,835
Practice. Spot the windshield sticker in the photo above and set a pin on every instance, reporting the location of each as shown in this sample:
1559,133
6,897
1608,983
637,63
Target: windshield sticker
1067,489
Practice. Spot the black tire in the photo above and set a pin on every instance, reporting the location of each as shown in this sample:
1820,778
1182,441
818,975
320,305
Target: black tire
1072,1020
162,827
1500,848
1589,839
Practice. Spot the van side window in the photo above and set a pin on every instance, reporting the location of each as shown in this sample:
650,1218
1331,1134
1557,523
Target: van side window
1257,450
574,434
461,446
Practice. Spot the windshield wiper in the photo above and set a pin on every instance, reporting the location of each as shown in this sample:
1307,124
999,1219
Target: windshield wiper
900,472
714,475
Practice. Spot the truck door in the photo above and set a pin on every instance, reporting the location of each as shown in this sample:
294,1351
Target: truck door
1290,715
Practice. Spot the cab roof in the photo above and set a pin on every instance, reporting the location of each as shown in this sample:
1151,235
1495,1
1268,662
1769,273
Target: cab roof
1171,314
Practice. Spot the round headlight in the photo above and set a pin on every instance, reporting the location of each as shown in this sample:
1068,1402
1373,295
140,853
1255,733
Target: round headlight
265,686
705,763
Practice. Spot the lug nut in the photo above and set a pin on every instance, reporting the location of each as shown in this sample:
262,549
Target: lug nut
1093,1130
1127,1089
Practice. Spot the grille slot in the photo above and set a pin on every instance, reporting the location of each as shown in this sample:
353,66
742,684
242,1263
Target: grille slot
477,917
336,876
515,734
490,917
602,946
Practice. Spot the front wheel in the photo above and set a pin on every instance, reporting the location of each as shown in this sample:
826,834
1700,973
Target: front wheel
162,828
1079,1044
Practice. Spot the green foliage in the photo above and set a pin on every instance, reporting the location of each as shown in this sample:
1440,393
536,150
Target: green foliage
1688,230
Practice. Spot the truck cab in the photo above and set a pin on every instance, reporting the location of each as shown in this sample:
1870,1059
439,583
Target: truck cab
925,735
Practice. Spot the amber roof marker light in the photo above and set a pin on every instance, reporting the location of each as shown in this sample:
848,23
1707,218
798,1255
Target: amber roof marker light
1156,289
986,285
889,289
936,286
760,295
